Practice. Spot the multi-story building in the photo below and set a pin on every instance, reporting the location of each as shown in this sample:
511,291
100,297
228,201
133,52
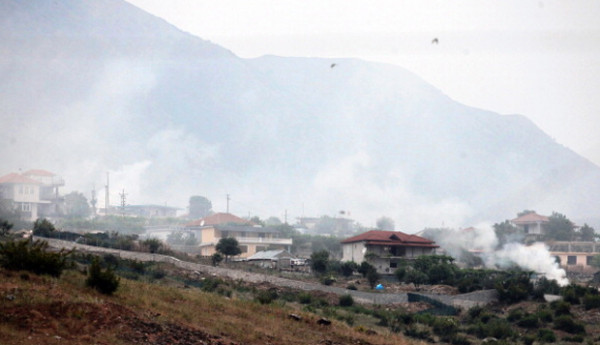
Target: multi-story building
385,249
33,193
251,238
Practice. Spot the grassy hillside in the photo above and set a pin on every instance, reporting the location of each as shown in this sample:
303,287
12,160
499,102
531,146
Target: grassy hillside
43,310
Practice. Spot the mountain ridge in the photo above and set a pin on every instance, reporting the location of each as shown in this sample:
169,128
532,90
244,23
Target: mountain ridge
278,133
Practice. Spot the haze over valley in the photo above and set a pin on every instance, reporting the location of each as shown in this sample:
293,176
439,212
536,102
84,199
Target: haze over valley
96,87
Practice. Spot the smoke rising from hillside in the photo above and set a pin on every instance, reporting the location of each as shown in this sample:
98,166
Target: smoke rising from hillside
483,240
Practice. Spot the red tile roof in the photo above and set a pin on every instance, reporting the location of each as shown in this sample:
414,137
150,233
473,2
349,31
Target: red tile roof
530,218
218,219
38,172
16,178
380,237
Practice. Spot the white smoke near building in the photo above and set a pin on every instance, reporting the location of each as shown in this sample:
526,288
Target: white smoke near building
481,241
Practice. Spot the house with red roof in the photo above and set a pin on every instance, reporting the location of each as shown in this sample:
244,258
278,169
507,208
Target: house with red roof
251,237
532,224
33,193
385,249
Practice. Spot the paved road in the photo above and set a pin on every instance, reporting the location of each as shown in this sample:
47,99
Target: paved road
464,301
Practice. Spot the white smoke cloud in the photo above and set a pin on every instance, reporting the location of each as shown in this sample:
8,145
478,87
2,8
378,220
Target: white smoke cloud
482,239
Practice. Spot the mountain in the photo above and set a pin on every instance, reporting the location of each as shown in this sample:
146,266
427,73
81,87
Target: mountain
90,87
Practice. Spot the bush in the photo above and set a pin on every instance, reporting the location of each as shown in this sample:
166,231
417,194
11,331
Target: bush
266,296
574,339
351,287
444,326
561,308
515,315
418,331
33,257
304,298
591,301
567,324
529,321
545,335
328,280
104,281
346,301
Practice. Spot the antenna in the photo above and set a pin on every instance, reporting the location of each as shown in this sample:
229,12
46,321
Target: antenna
228,203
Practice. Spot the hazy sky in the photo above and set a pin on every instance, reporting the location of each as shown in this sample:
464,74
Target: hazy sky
540,59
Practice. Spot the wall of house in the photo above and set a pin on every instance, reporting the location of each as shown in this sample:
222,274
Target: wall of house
354,252
208,235
26,193
576,261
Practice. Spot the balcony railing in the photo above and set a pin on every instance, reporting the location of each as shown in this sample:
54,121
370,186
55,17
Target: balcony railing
247,240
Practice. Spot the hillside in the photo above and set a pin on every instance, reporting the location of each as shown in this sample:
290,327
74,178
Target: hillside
43,310
103,86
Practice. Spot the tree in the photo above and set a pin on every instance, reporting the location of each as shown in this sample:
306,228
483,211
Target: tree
506,232
319,261
76,205
587,233
182,238
5,227
273,221
153,244
228,246
525,212
348,267
43,228
373,277
559,228
216,258
200,207
385,223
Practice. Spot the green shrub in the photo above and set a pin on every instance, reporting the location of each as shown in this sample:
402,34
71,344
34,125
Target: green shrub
591,301
545,335
210,284
33,257
458,339
346,301
351,287
567,324
445,326
561,308
528,339
327,280
418,331
529,321
266,296
574,339
515,315
304,298
104,281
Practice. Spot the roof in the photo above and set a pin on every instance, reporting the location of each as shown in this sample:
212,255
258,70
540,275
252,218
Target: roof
16,178
219,218
38,172
531,217
269,255
164,207
381,237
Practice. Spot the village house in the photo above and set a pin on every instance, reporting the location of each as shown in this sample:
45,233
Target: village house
575,256
532,224
385,249
151,211
34,193
280,259
252,238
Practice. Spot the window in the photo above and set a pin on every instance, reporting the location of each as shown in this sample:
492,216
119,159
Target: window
571,260
25,207
393,264
244,249
589,260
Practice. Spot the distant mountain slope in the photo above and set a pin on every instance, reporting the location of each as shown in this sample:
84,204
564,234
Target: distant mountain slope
94,86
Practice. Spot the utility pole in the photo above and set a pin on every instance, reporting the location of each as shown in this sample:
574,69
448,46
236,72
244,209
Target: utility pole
285,218
106,198
123,202
93,201
228,203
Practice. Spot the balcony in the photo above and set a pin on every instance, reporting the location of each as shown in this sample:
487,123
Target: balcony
255,240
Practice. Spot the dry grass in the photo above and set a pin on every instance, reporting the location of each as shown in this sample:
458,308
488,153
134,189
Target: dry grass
46,310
